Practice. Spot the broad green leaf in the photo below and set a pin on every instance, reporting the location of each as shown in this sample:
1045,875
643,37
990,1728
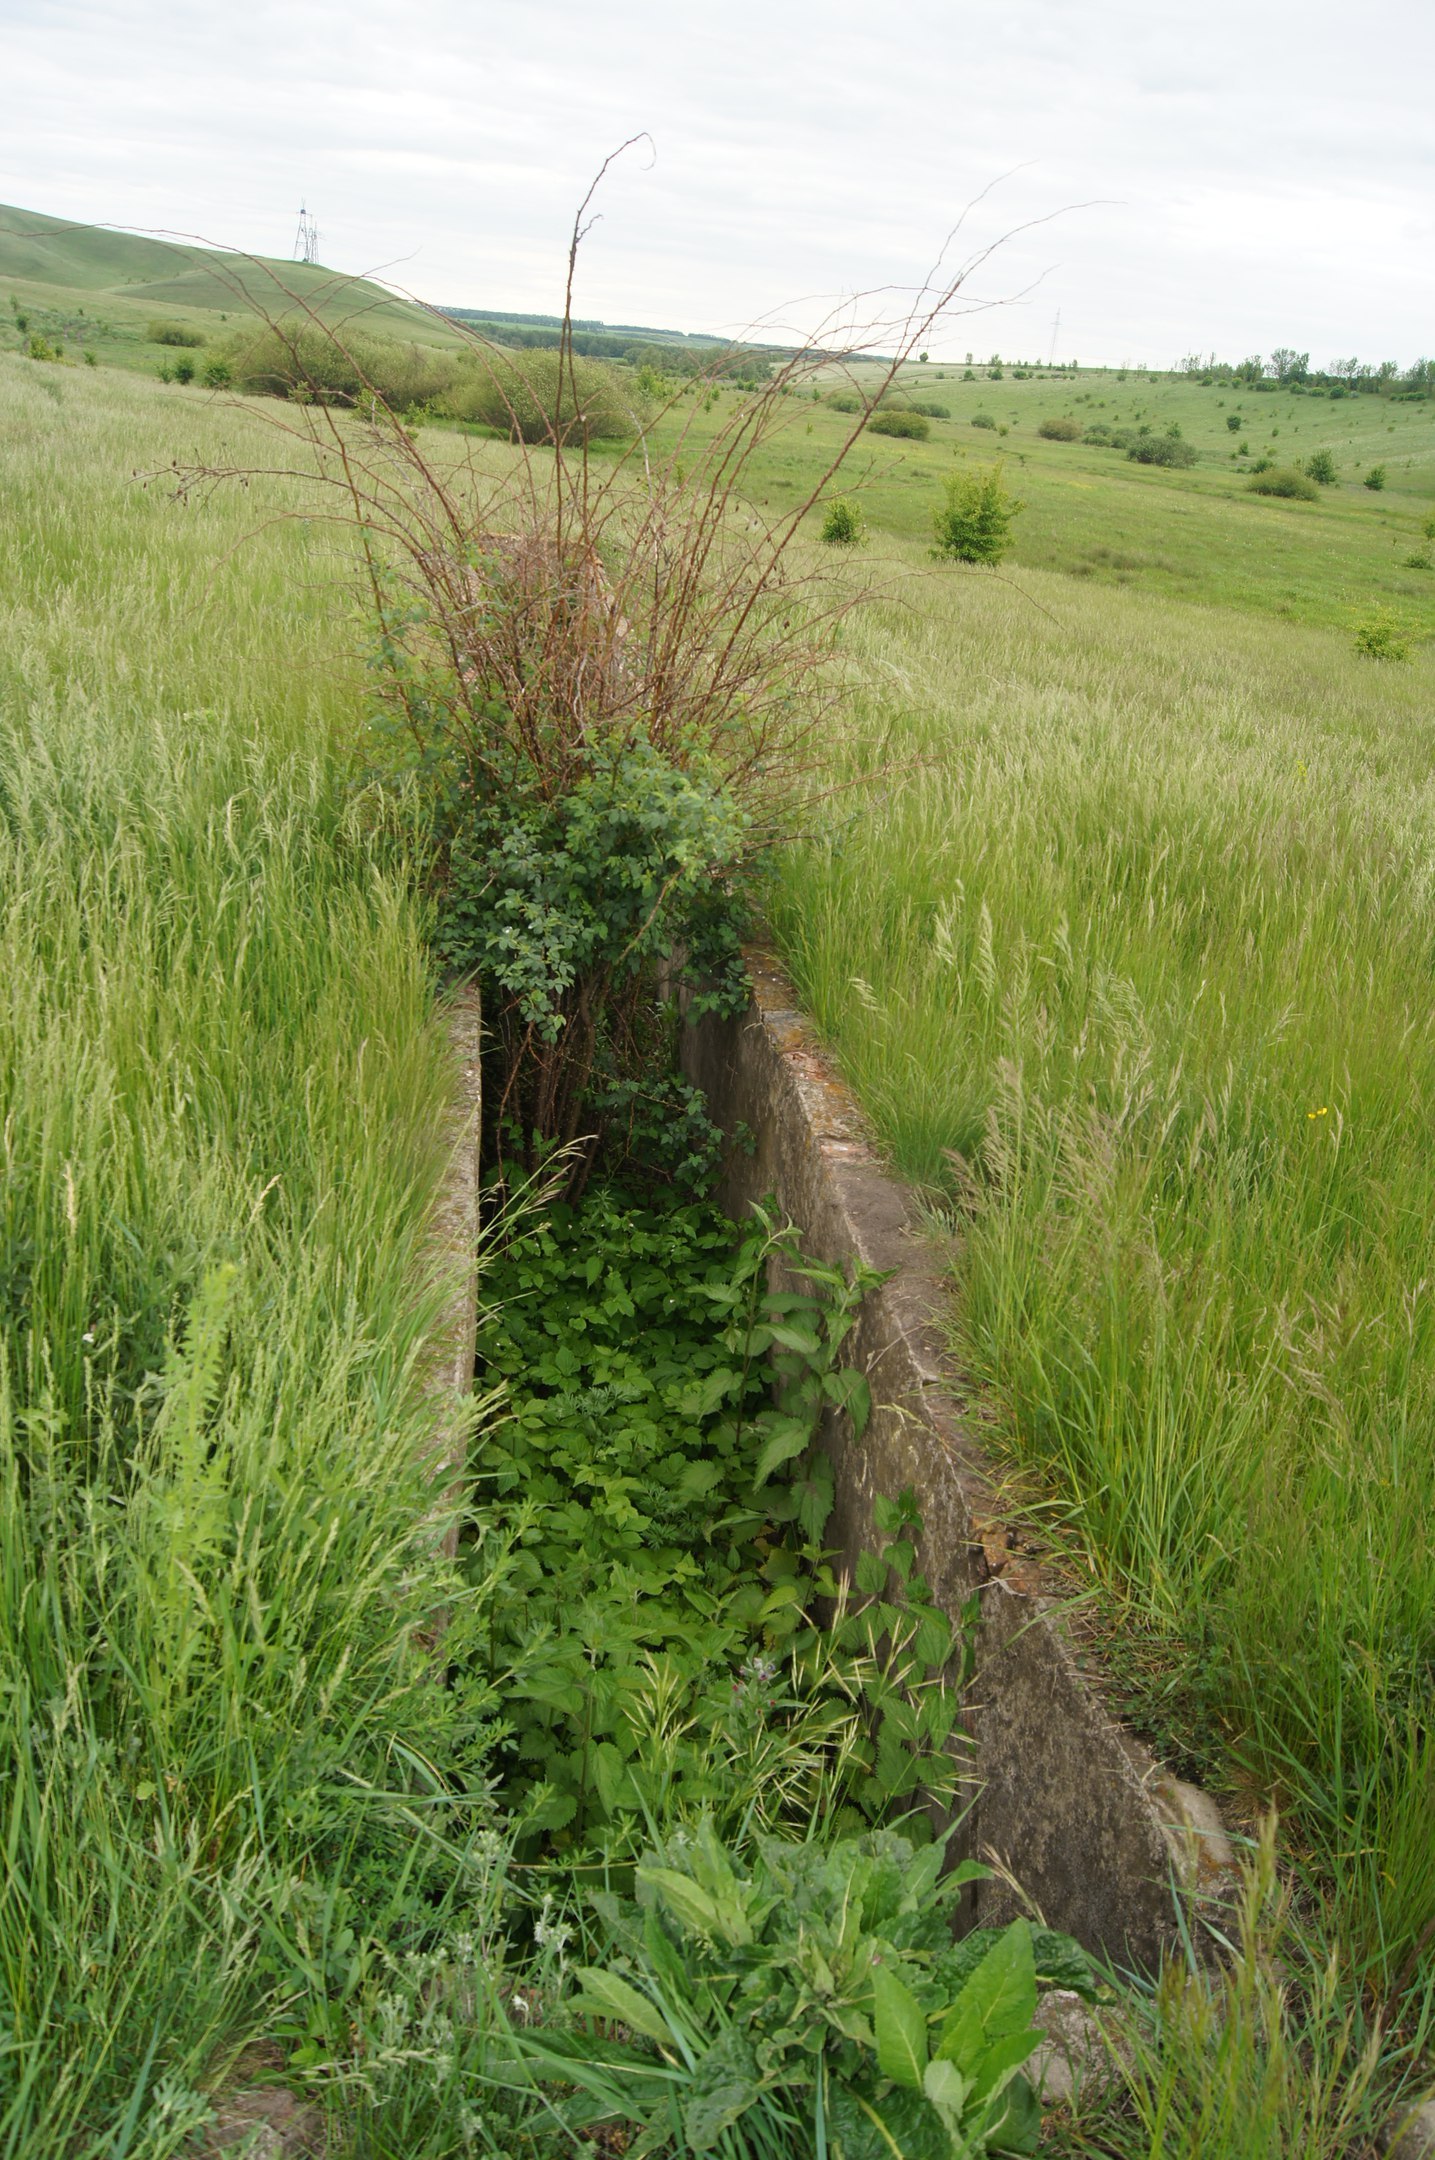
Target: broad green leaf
724,2085
605,1995
805,1341
788,1438
997,2001
871,1574
901,2029
684,1899
948,2092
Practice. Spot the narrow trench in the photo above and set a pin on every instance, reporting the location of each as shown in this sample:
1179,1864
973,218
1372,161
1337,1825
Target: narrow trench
668,1639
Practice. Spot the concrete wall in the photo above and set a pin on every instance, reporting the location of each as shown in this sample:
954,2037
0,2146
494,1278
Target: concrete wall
1078,1811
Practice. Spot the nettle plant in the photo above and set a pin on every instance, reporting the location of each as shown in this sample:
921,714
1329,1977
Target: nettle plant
660,1495
597,664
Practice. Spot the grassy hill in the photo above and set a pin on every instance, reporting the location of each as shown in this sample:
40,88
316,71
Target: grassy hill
89,287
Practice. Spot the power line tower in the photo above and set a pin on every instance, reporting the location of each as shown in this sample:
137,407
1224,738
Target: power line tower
1055,332
306,240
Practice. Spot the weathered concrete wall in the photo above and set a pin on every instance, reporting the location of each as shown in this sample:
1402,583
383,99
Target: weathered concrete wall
1079,1812
452,1248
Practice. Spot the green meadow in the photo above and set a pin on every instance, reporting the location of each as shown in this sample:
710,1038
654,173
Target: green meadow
1117,911
1121,921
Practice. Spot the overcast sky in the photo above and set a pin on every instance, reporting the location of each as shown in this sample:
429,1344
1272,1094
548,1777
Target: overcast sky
1261,175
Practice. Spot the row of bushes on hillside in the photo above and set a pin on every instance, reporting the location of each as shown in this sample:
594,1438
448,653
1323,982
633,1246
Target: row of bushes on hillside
514,393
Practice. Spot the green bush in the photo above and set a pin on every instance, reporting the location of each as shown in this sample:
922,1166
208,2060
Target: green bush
1320,466
534,396
1418,562
1380,635
1170,449
843,524
1285,480
171,333
216,374
1233,422
846,401
311,366
930,408
182,369
910,426
38,347
1375,478
974,524
1060,429
983,420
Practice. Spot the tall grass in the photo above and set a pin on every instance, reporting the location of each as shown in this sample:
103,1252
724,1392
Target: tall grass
220,1087
1125,938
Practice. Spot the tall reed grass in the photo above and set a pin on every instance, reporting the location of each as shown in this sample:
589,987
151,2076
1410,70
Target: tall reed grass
220,1087
1124,936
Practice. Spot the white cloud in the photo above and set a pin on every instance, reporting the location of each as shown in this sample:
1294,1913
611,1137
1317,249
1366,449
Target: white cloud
1266,175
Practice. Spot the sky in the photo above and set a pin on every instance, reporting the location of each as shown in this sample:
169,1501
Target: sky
1209,177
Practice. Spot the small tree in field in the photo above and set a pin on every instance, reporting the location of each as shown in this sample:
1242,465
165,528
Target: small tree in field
843,524
974,525
1320,465
1375,478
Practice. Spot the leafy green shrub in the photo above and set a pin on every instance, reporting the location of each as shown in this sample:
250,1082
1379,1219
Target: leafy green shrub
930,408
846,401
1320,466
1418,561
1381,636
1284,480
1428,528
534,396
311,366
1170,449
38,347
974,524
843,524
910,426
1060,429
664,1504
1233,422
182,369
1375,478
91,358
905,2046
982,420
969,374
172,333
216,373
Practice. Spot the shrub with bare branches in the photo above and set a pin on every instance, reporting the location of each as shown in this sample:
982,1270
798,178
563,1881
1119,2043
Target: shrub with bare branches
596,679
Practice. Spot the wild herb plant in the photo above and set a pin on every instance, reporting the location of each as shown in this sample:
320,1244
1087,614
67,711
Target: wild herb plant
806,1998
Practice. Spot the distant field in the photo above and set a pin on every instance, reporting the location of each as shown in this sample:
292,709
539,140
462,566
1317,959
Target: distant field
1199,534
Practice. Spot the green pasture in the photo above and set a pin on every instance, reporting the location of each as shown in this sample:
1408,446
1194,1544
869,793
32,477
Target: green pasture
1122,924
1197,534
221,1084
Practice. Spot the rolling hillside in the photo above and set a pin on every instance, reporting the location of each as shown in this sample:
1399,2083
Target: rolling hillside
103,288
